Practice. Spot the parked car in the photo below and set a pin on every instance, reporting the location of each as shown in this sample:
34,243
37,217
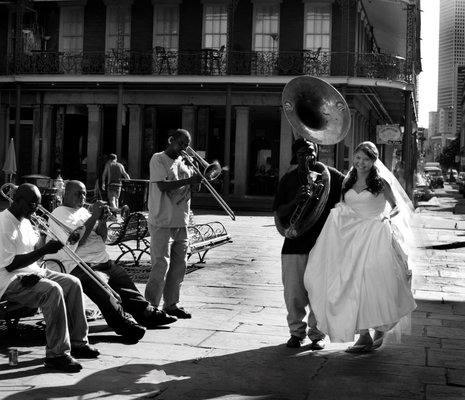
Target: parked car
422,190
452,175
435,174
461,183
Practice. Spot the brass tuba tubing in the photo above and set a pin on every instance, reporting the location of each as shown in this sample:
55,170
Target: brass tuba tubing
208,185
43,228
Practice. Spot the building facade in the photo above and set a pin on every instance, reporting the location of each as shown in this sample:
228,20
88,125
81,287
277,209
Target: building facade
85,78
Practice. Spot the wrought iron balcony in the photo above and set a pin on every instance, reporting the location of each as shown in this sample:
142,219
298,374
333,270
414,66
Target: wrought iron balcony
212,62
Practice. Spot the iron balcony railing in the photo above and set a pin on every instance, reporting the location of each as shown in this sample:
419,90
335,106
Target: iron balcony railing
212,62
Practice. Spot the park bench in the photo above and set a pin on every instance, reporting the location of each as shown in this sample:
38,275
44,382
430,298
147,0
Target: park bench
131,236
11,312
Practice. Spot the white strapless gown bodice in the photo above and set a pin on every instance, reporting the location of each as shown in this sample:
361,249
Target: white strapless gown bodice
353,277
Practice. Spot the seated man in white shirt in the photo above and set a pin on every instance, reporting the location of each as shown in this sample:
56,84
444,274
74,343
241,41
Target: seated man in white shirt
91,248
22,281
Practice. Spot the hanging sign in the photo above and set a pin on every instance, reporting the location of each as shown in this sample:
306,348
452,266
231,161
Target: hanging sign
388,134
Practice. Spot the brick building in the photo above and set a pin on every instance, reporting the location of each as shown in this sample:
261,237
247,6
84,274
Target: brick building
84,78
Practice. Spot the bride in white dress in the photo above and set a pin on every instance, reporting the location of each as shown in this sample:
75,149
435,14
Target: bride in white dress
355,277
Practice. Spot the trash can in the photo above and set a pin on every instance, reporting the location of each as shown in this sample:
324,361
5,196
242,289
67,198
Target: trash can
134,194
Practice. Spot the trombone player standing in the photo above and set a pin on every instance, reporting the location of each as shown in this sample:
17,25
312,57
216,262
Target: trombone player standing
169,207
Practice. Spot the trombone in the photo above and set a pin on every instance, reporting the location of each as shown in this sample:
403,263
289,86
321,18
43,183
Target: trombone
42,226
210,173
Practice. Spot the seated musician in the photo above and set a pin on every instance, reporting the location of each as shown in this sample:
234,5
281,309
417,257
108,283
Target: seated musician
91,248
22,281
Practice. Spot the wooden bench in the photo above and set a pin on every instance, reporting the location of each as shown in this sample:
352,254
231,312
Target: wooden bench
131,236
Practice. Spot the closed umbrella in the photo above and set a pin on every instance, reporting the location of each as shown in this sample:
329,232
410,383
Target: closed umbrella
9,167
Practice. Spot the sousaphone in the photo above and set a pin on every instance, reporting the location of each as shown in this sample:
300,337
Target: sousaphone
317,112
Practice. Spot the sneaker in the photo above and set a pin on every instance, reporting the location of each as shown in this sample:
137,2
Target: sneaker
85,351
294,342
130,330
64,363
315,335
179,312
317,338
155,318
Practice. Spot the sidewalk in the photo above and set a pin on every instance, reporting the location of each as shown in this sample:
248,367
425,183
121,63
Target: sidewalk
233,347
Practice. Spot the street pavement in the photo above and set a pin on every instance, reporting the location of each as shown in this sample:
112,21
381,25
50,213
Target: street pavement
234,345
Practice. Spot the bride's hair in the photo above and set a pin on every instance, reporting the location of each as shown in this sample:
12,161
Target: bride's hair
374,182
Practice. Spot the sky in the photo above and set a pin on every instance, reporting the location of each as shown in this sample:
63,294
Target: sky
428,78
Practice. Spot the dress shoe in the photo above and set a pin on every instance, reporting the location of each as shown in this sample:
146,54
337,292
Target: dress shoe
85,351
294,342
64,363
178,312
130,330
154,318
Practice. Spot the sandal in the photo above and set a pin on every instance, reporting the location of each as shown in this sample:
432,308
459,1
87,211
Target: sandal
378,342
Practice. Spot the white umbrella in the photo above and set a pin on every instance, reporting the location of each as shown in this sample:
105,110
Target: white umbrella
9,167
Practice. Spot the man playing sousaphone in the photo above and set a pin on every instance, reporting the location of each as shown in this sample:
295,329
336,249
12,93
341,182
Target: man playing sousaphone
294,192
318,113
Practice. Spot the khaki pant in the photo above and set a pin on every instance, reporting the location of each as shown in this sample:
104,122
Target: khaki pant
60,298
295,295
168,253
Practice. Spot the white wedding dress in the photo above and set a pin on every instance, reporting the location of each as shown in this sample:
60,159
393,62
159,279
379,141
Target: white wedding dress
354,277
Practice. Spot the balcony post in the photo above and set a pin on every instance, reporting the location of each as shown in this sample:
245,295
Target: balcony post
135,140
46,138
188,121
241,160
285,145
119,120
18,119
93,142
407,145
4,132
227,140
59,131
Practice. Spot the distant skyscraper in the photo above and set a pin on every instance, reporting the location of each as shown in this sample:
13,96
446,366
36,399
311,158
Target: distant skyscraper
451,55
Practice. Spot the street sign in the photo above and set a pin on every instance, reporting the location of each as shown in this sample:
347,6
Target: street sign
388,134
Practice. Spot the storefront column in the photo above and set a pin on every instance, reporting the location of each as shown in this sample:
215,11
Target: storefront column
285,145
46,139
135,140
4,133
93,141
188,122
59,132
36,133
241,161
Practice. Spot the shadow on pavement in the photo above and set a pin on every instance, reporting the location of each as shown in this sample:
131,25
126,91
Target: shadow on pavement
446,246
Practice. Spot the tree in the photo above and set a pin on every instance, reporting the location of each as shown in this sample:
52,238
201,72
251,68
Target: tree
447,157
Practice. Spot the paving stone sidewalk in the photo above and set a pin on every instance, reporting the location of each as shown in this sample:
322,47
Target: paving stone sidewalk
233,347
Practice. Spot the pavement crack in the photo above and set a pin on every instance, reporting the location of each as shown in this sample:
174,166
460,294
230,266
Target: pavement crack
323,364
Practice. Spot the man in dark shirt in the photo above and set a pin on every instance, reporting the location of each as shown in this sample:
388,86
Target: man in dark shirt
292,190
111,179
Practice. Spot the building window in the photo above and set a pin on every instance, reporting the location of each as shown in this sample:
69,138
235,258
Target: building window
266,27
215,25
71,29
118,28
166,26
317,27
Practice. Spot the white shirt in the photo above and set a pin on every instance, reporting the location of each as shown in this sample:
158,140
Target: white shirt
168,209
92,251
16,237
